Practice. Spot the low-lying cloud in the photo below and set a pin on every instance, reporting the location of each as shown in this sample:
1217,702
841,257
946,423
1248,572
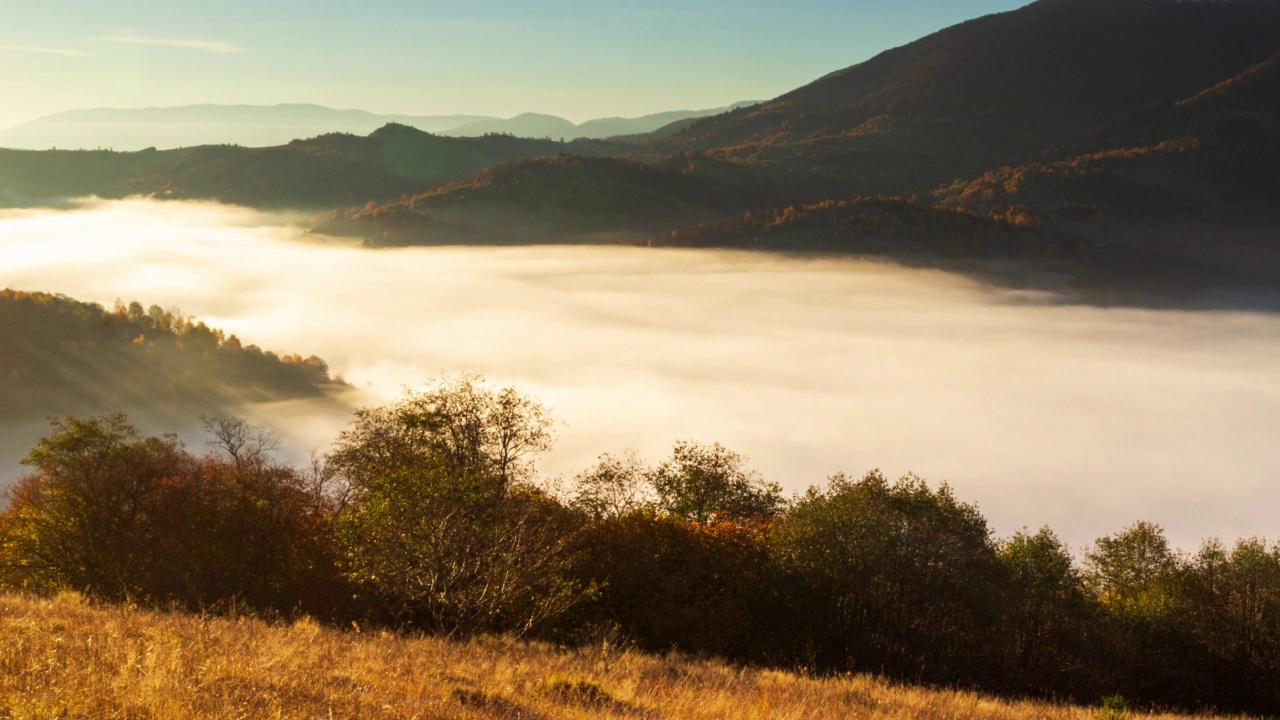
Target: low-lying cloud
1082,418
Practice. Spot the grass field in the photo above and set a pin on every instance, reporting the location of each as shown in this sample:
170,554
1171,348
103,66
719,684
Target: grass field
64,658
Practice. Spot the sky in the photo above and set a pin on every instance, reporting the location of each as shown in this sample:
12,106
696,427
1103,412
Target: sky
579,59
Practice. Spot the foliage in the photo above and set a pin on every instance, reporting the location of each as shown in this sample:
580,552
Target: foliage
705,482
121,516
60,356
899,578
441,524
1046,606
667,582
614,487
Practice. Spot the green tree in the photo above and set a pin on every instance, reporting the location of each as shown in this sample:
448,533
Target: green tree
614,487
1140,583
1049,618
894,577
1233,598
460,429
701,482
1134,569
443,525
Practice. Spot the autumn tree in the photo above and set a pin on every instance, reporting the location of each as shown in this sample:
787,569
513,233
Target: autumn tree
443,525
80,518
111,512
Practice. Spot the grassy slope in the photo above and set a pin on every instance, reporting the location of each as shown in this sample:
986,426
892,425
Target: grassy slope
64,658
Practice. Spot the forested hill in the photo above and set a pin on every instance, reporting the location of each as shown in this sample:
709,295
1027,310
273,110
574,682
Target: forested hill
59,356
318,173
1004,86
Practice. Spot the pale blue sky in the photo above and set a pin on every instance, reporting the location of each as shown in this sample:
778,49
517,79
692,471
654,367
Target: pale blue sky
575,58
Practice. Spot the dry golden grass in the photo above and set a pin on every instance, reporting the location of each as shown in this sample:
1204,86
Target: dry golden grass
63,658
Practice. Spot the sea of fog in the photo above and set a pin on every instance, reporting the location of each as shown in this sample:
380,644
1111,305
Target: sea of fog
1040,411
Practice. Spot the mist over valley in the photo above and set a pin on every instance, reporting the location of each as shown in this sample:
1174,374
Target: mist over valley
1041,408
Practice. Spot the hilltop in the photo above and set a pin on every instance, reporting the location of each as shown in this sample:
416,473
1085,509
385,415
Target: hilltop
569,198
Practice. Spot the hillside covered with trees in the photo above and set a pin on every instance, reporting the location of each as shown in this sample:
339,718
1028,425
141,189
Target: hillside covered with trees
317,173
59,356
427,515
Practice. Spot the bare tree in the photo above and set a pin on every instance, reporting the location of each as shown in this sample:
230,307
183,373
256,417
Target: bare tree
616,486
249,446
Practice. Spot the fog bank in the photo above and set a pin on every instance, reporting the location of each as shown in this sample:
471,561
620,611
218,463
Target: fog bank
1041,412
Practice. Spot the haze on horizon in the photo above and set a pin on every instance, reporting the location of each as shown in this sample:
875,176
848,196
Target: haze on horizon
574,59
1042,412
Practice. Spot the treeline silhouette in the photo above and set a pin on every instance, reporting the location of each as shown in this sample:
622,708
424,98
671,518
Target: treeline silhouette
62,356
427,515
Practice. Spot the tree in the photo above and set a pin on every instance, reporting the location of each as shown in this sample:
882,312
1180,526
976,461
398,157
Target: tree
1233,603
119,515
616,486
667,582
80,519
1140,583
442,524
700,482
1048,618
892,577
248,445
1133,568
460,429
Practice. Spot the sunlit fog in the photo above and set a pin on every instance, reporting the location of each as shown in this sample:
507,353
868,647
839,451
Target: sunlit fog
1040,411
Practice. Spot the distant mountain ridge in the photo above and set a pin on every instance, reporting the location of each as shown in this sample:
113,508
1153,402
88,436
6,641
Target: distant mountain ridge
323,172
268,125
1129,135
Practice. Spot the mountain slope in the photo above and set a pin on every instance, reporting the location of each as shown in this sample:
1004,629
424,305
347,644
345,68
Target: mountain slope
1194,181
1000,88
569,198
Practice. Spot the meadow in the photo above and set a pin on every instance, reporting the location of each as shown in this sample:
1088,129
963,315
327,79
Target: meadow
65,657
